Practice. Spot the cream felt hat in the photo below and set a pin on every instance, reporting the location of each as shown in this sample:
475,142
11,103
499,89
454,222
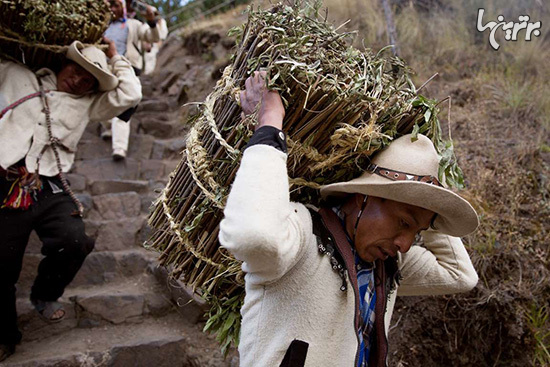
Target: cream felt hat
407,171
94,61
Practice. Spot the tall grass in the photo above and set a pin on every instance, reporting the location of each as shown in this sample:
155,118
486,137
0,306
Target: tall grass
502,134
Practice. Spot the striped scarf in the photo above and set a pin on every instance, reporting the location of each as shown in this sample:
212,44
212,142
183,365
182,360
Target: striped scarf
367,299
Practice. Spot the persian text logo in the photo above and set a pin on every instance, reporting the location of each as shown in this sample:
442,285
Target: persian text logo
511,29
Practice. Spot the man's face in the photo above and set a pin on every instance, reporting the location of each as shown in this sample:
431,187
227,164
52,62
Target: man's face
74,79
117,9
387,227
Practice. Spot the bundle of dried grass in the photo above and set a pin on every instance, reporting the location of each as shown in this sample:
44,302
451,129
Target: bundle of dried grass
36,32
342,105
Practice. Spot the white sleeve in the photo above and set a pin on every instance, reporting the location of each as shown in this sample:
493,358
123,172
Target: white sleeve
261,226
148,34
441,266
127,94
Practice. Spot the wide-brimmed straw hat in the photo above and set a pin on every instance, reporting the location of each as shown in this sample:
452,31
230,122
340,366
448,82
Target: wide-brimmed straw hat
94,61
407,171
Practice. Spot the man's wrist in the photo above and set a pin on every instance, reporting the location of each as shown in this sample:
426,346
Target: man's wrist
269,135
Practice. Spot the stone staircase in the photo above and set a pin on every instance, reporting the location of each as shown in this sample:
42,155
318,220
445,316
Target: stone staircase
121,308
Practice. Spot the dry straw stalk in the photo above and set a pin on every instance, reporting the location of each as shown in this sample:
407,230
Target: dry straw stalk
36,31
342,105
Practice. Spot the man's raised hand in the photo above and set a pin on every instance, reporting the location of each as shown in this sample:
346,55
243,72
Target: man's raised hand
256,97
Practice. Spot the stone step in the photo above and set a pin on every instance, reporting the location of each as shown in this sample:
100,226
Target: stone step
156,105
168,148
127,169
165,341
159,126
189,304
98,268
111,186
140,146
114,206
116,235
107,169
127,301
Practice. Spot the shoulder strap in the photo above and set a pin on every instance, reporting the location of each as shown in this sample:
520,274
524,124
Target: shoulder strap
326,246
333,225
20,101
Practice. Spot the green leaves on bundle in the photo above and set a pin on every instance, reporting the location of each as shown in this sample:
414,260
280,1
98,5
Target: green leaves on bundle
55,22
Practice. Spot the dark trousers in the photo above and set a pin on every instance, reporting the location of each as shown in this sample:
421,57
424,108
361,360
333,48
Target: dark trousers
64,245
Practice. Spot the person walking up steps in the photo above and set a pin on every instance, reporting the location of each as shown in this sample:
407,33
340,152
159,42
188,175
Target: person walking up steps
42,118
128,35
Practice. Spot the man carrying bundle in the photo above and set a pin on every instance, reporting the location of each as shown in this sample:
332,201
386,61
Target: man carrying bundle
128,35
43,116
321,284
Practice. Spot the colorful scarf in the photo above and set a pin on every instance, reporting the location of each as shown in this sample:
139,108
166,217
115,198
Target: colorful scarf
23,191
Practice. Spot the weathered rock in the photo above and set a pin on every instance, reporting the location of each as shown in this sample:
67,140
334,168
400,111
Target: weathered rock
190,306
160,76
130,263
105,267
140,146
85,199
115,308
100,187
153,105
118,234
157,127
153,169
118,205
103,169
169,81
162,353
164,341
157,304
98,268
77,182
93,148
171,148
147,90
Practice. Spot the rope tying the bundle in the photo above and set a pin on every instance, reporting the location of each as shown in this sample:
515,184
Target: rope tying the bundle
182,239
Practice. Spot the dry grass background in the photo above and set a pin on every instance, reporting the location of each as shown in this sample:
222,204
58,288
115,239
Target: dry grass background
500,123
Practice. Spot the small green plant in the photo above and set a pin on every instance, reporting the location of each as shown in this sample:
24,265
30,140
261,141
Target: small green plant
224,319
540,325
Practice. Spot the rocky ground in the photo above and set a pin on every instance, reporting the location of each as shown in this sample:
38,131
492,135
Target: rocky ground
121,308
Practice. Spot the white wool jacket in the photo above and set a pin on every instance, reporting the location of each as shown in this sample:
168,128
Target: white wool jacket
23,130
291,290
138,32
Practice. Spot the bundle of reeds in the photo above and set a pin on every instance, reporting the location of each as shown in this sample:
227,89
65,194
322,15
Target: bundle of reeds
36,32
342,105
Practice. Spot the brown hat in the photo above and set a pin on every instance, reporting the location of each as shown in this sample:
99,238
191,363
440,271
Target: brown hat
406,171
94,61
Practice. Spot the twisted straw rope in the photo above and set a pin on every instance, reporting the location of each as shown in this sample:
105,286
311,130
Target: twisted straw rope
175,229
197,162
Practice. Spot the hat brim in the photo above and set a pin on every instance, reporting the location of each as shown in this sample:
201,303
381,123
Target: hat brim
106,80
455,216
